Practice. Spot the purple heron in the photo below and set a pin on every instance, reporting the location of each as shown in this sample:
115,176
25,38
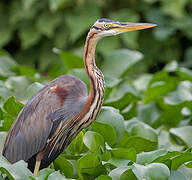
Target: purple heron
59,111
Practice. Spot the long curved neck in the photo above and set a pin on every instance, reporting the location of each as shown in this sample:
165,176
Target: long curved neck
96,78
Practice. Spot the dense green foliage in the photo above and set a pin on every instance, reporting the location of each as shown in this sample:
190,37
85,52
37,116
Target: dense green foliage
35,27
144,130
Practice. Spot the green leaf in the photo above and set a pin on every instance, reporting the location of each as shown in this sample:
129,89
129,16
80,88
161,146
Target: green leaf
181,94
89,164
176,175
56,175
47,56
19,13
122,173
188,55
176,9
26,71
61,36
111,116
148,113
6,122
5,29
147,157
48,22
166,141
18,84
142,82
105,46
122,95
123,140
153,171
7,65
104,177
85,14
71,60
44,173
166,158
161,83
119,162
29,35
184,134
144,130
106,130
94,141
188,164
129,154
120,61
5,93
141,144
180,159
64,166
57,4
16,171
77,146
186,171
111,82
12,107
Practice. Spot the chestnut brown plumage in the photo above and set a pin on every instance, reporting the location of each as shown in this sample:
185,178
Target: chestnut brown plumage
59,111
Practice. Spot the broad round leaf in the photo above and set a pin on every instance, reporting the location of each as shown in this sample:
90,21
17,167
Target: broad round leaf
111,116
106,130
153,171
94,141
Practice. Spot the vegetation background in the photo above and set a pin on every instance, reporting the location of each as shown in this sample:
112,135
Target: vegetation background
144,130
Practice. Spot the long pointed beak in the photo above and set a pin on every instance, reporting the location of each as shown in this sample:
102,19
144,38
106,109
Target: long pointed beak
125,27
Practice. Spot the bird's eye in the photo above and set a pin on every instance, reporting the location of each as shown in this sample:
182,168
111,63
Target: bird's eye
106,26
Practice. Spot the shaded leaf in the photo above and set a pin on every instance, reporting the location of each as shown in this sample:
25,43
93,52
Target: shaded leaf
106,130
89,164
71,60
77,146
122,95
94,141
121,61
184,134
64,166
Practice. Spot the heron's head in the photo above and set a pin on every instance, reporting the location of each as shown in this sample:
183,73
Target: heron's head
107,27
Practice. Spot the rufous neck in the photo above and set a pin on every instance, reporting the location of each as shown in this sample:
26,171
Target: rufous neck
89,52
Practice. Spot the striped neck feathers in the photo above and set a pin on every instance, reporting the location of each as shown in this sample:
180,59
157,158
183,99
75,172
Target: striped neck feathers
96,78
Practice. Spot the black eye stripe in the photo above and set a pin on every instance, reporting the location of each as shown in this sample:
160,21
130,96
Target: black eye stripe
97,28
